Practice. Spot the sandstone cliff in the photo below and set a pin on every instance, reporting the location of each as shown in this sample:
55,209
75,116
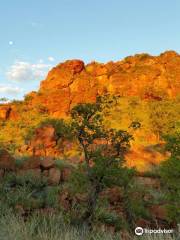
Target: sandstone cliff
74,82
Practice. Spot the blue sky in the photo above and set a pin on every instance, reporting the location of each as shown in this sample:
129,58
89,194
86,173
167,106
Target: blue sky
36,35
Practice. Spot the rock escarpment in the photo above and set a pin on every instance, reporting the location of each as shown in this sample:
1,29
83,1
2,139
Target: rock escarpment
141,75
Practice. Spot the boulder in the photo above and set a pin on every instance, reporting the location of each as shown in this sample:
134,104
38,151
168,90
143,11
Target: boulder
62,75
54,176
44,137
148,182
143,223
65,200
159,212
45,173
7,162
65,174
31,163
35,172
43,142
96,69
4,112
47,163
113,195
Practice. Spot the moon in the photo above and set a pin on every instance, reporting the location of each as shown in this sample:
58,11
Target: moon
11,43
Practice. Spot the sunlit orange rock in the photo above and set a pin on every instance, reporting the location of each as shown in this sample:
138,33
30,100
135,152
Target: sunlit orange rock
44,138
141,75
72,82
62,75
4,112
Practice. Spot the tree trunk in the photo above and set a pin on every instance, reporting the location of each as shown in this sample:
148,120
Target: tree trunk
92,203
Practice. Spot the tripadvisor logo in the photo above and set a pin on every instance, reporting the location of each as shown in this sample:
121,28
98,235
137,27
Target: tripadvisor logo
140,231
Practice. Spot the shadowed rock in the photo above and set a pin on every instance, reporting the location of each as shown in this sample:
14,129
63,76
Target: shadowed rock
7,162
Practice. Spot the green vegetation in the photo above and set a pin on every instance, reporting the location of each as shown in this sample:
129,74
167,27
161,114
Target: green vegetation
164,117
13,132
53,227
170,174
104,131
46,227
3,99
156,117
29,209
26,190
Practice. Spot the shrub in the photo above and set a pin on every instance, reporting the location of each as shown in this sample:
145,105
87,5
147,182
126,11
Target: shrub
63,130
170,174
26,190
28,98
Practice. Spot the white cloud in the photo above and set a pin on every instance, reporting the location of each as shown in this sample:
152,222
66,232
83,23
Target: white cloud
41,60
10,90
51,59
36,24
24,71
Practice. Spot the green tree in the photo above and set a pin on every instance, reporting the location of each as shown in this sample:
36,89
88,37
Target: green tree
104,151
170,174
3,99
164,116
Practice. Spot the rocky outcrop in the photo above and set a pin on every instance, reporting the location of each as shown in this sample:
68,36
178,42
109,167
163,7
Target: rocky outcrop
62,75
141,75
43,143
36,165
44,138
5,112
72,82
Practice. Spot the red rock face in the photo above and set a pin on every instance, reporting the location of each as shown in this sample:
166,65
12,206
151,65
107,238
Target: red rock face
5,112
62,75
72,82
8,111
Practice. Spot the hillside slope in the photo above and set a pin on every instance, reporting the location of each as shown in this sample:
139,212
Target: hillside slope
148,86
